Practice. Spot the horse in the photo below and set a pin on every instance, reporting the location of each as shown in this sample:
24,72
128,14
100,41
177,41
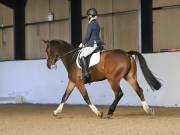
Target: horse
114,65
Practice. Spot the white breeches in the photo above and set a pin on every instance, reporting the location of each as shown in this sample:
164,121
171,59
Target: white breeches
87,51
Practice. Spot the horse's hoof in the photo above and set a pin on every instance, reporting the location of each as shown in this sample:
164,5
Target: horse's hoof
151,112
107,116
101,115
56,115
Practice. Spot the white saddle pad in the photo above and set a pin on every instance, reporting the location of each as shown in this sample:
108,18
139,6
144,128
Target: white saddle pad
95,59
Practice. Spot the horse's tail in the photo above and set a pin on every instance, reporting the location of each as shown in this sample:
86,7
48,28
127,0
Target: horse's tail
150,78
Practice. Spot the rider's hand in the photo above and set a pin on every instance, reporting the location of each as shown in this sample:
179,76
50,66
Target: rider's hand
81,45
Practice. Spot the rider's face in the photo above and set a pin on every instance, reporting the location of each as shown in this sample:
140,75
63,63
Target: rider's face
89,17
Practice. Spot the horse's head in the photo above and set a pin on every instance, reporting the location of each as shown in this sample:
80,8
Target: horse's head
51,54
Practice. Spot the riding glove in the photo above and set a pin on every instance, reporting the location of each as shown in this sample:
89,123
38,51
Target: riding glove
81,45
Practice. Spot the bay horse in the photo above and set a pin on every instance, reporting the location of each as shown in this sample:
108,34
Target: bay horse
114,65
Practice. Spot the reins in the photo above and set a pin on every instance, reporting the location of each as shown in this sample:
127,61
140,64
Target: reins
69,52
76,49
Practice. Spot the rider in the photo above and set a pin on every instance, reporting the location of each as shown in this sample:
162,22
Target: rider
91,41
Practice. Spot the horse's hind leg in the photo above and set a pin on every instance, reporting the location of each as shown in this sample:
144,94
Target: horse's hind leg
67,93
131,78
118,95
139,92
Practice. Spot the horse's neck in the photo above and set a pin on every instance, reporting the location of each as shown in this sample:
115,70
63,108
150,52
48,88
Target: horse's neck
68,57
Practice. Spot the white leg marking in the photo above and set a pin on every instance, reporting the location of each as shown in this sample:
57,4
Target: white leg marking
59,109
94,109
146,107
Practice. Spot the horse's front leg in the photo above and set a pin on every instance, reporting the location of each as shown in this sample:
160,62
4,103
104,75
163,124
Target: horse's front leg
68,91
84,93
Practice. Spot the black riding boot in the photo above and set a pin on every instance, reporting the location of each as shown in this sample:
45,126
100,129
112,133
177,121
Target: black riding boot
85,70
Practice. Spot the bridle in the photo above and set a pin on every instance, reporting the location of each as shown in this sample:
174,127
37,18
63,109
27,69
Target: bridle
61,57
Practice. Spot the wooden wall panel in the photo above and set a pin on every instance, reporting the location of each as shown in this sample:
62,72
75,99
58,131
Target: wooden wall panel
60,8
6,15
158,3
106,31
126,31
108,6
7,44
0,35
35,48
166,29
84,27
60,30
103,6
0,13
36,10
125,5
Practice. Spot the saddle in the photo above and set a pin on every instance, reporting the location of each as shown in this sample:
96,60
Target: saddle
92,59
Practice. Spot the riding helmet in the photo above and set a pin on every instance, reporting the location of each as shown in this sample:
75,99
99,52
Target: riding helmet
92,11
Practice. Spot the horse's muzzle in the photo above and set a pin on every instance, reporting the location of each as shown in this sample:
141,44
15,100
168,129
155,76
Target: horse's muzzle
53,66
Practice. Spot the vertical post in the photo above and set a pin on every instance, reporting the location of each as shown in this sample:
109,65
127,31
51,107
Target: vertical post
75,22
146,26
19,29
139,31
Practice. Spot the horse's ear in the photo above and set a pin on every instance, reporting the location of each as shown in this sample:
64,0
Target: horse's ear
46,41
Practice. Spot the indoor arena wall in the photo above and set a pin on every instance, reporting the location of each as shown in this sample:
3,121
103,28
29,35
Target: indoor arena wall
32,80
